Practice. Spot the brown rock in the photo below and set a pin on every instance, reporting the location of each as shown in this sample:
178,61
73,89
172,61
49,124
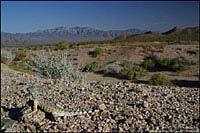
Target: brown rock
102,107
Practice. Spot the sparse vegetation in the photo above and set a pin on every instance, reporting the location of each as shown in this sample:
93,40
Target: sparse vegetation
55,66
61,46
178,63
7,56
96,52
20,65
154,62
158,79
148,64
91,67
20,55
113,68
132,71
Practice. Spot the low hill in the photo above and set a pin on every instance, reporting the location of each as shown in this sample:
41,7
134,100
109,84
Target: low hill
174,34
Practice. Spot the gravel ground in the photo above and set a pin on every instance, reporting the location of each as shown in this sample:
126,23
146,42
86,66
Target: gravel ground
123,106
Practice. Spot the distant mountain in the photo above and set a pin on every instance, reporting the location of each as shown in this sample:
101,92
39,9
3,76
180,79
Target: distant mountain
188,30
60,34
174,34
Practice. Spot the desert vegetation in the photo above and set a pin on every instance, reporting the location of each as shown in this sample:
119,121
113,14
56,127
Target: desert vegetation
91,67
157,63
98,74
55,66
158,79
7,56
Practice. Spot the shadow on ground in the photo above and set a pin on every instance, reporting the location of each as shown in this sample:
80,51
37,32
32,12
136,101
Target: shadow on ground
13,113
109,75
186,83
180,83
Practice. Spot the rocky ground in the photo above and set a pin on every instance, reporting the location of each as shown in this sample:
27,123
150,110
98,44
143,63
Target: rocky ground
123,106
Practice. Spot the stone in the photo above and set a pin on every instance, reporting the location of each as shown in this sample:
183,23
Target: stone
102,107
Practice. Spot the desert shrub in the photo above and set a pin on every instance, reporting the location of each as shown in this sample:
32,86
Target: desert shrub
22,64
61,46
55,66
113,68
132,72
148,64
158,79
7,56
164,63
193,61
20,55
155,62
96,52
91,67
179,63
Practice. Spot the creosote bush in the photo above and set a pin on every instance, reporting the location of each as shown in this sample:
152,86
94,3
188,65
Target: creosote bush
157,63
91,67
55,66
7,56
158,79
132,71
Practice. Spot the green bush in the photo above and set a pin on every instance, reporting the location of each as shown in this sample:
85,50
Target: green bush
158,79
132,72
155,62
55,66
7,56
96,52
165,63
20,55
148,64
91,67
179,63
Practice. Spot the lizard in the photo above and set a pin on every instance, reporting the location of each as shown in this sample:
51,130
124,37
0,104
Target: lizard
55,110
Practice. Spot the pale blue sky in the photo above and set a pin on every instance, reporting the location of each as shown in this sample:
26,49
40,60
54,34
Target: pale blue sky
30,16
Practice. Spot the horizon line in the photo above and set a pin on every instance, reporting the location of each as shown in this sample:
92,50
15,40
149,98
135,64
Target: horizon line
95,28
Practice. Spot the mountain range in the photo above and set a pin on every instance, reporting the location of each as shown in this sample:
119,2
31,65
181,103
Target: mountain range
85,34
61,34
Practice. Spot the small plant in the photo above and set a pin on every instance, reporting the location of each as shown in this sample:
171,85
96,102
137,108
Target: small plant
132,72
113,68
61,46
164,63
21,65
7,56
96,52
154,62
148,64
158,79
179,63
193,61
20,55
91,67
55,66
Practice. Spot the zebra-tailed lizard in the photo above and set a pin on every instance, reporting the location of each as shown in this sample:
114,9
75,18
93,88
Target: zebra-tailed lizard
55,110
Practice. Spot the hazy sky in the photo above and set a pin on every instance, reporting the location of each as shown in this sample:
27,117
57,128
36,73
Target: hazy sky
156,16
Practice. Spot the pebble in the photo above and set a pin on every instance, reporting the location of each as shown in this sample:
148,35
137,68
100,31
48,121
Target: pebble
171,108
102,106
